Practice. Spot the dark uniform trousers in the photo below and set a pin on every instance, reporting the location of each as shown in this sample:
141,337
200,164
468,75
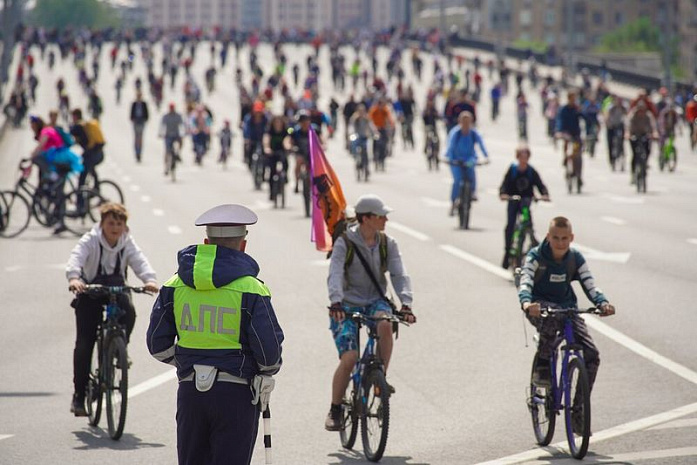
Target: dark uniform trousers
548,327
216,427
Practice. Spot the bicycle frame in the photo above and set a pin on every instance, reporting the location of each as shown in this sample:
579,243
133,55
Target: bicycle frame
560,385
367,360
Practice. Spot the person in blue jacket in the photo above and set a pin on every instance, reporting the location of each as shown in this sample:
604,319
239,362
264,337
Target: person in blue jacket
214,321
461,142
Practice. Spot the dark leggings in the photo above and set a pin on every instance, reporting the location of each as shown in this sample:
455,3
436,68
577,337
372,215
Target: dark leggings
548,327
88,316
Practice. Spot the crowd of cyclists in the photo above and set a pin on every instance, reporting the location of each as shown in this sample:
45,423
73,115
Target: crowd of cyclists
381,106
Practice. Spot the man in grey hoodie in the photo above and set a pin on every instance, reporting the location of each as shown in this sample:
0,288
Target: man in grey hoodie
351,290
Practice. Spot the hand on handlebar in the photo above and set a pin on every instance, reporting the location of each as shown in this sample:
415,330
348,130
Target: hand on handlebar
76,286
406,315
607,309
532,309
336,312
151,287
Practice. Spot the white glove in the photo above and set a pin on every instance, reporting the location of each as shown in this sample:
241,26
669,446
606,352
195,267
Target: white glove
261,390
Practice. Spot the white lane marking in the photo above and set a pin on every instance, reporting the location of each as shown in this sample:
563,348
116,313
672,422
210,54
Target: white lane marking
546,204
610,433
613,220
151,383
684,423
435,203
174,229
481,263
692,241
134,188
262,205
12,268
629,457
642,350
5,436
126,178
324,262
55,266
145,198
408,231
493,192
627,200
158,212
616,257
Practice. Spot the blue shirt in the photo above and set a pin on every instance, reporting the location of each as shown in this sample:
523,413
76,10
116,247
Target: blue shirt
461,146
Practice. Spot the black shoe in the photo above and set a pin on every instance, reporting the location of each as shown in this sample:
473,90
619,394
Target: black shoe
390,388
505,264
542,376
297,189
77,406
333,421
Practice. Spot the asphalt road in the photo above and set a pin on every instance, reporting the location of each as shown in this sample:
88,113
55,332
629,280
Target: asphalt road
460,373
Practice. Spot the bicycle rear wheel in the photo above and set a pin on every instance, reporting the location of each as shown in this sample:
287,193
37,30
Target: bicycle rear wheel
116,387
110,191
463,209
375,419
349,418
14,214
93,392
541,405
307,193
577,408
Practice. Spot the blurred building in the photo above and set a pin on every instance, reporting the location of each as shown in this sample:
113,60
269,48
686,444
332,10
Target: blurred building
277,15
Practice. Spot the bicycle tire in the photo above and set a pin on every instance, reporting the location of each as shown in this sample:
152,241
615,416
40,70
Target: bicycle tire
258,173
375,415
93,392
349,418
577,399
541,406
307,194
464,206
43,208
673,159
14,214
663,155
116,386
110,191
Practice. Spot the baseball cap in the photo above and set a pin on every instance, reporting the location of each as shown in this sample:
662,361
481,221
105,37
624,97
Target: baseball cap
371,203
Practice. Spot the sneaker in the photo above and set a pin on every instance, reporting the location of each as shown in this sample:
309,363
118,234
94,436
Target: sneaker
77,406
390,388
333,421
541,377
577,423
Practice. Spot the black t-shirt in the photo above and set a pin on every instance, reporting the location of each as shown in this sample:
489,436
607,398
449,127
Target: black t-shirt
517,182
276,138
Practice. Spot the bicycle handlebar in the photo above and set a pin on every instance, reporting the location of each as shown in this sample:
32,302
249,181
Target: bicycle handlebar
467,164
361,318
547,311
98,289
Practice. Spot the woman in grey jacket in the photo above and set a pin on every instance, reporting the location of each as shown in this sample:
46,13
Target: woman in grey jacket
102,257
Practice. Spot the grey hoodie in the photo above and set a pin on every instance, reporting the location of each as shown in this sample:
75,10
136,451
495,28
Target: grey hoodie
354,286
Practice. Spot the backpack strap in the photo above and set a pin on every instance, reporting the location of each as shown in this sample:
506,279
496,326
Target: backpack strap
350,251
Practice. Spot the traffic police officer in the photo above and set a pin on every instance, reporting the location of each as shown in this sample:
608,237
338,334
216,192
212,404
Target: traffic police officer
214,321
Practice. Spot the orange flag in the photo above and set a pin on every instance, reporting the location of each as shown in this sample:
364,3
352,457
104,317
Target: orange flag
328,203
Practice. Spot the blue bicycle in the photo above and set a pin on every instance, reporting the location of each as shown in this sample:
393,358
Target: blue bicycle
367,397
569,392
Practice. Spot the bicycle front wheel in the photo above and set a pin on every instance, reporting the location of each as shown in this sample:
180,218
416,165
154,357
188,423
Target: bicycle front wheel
14,214
577,408
541,405
375,420
93,392
349,418
672,159
116,387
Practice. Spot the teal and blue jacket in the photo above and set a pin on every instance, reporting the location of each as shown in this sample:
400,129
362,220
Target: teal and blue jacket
215,311
554,278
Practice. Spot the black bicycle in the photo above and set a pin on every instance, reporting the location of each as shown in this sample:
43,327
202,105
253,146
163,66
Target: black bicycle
359,150
463,202
367,397
432,148
257,167
109,366
15,214
523,230
641,158
278,181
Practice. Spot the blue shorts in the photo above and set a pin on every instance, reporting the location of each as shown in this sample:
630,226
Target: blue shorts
344,333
